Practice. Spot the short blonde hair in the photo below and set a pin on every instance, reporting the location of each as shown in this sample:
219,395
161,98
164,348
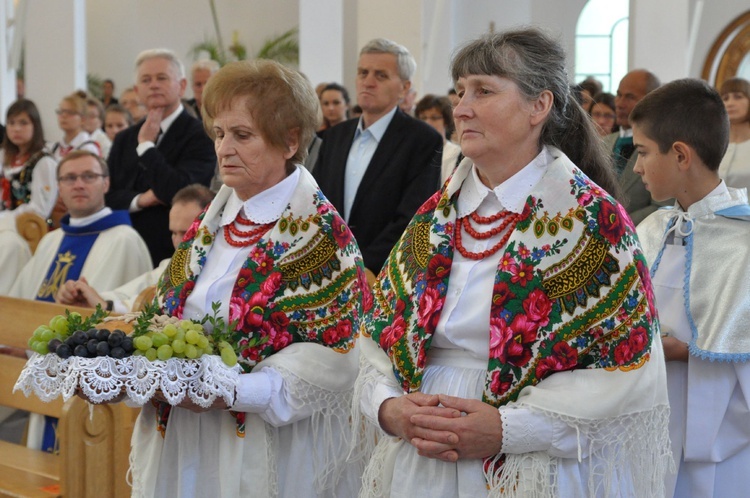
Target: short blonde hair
77,101
280,100
79,153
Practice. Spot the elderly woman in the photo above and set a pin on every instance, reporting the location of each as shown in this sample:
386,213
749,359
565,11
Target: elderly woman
282,263
511,350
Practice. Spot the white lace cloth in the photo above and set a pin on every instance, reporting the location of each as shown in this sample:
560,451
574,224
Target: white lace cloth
103,379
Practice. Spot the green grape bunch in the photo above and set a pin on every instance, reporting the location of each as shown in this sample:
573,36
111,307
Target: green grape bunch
155,336
61,327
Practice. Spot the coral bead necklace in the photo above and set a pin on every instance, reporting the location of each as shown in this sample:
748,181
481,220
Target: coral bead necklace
509,222
244,238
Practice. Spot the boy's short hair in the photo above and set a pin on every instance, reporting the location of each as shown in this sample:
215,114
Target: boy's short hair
686,110
196,193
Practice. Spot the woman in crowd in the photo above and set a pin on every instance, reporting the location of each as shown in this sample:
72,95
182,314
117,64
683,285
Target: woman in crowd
602,111
334,101
70,114
93,124
511,347
735,167
29,177
438,113
116,119
282,263
29,184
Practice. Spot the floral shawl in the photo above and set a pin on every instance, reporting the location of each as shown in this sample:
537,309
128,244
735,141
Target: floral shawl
572,293
572,289
302,282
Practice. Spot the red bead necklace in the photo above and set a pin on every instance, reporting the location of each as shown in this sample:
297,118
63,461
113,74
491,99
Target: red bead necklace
247,237
509,223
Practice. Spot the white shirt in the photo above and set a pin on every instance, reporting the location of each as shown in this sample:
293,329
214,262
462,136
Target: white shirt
78,143
466,312
261,390
81,222
363,147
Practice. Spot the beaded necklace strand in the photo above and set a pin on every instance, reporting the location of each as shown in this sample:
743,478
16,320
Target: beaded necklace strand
243,238
509,222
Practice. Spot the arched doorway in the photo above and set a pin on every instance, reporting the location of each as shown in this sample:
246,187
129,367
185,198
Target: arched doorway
730,53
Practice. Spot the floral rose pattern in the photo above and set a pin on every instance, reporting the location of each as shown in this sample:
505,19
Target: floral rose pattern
612,224
269,315
531,334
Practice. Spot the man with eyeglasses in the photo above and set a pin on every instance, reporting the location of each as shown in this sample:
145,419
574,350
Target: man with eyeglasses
94,242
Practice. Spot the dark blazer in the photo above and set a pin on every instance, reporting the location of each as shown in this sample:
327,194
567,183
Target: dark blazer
185,155
403,173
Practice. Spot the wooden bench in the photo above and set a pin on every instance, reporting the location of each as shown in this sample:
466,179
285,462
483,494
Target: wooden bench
94,450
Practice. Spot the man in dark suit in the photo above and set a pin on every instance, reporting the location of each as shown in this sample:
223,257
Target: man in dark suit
150,161
377,170
633,87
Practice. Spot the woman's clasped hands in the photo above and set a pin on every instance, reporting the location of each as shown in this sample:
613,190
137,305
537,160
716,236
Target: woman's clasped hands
444,427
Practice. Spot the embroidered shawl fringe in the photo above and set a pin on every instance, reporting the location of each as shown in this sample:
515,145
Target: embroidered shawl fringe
634,447
365,448
330,428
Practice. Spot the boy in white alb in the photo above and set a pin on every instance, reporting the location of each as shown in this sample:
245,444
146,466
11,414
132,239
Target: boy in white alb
699,253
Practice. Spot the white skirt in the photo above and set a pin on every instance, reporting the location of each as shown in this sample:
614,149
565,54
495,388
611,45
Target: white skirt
201,455
456,373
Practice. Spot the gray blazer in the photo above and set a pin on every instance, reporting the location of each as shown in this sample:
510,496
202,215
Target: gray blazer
638,200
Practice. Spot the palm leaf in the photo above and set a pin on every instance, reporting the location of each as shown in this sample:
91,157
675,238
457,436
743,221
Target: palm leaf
284,48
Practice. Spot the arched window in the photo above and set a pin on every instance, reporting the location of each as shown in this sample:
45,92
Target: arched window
602,42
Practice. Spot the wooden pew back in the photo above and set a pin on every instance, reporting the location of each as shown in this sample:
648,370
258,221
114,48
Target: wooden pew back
94,442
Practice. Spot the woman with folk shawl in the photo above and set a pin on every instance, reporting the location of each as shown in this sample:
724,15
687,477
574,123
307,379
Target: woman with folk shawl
511,348
282,263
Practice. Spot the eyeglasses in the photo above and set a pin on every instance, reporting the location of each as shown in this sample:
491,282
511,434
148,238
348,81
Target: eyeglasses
604,115
66,112
87,178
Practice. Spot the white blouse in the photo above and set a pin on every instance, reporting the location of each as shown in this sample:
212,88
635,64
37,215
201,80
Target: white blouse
260,392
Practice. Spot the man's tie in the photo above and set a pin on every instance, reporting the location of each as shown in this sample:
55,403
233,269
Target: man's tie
623,150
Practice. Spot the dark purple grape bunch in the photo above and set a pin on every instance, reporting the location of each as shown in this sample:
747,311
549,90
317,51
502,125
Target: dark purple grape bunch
93,343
